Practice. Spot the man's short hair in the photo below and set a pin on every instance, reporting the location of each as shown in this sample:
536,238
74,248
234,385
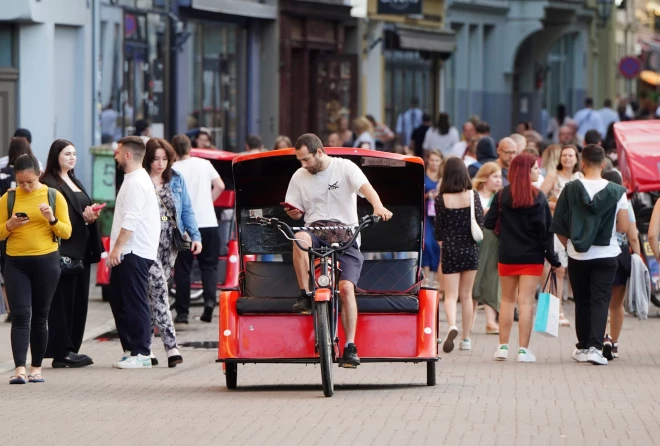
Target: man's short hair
135,145
483,128
311,141
426,117
254,142
592,137
23,133
593,155
141,125
589,102
607,103
181,145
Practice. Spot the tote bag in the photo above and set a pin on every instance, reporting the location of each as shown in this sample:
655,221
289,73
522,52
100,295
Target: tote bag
547,310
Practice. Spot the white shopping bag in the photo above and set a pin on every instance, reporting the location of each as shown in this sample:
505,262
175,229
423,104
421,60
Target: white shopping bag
547,311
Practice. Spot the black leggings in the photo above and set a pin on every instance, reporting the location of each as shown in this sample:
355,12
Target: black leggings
31,282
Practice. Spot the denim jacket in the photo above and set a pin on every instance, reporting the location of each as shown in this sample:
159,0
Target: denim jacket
185,216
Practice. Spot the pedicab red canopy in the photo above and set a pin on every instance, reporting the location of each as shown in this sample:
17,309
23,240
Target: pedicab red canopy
638,146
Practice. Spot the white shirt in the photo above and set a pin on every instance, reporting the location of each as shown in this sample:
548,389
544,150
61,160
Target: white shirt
136,209
365,138
599,252
435,141
608,116
588,119
459,149
331,194
198,174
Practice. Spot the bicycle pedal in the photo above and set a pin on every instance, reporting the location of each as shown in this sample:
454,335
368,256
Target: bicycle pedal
345,365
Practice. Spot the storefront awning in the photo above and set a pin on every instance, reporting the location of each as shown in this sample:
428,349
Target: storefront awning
441,41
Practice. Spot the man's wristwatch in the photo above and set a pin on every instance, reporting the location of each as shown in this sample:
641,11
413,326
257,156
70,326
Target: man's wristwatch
54,222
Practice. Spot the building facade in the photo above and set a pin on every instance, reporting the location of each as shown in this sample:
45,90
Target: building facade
515,58
46,74
404,47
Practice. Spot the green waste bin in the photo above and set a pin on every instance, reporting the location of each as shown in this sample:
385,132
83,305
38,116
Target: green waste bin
103,184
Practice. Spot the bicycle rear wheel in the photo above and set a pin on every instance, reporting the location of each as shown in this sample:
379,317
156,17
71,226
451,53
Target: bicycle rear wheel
325,347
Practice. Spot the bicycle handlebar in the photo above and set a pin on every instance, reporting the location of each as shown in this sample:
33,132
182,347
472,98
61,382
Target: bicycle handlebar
288,231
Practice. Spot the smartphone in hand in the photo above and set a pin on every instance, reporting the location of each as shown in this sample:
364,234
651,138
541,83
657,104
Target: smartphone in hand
99,207
290,206
22,215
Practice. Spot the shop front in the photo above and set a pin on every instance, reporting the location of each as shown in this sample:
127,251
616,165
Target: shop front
319,66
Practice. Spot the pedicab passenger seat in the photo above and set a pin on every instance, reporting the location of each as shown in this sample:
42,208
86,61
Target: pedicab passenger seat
385,286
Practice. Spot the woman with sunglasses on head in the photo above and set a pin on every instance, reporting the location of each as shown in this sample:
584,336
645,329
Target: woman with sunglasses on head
68,311
176,215
32,262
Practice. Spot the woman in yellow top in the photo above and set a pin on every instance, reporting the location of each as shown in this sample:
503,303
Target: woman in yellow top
32,263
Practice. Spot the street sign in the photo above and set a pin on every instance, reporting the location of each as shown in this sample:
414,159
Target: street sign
630,67
400,7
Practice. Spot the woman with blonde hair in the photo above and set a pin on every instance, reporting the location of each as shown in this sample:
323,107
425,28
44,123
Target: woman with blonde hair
365,132
282,142
486,290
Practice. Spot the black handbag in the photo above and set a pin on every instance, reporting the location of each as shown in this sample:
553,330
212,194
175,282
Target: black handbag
70,266
180,242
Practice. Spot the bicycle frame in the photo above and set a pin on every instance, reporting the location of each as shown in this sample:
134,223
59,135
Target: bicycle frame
327,266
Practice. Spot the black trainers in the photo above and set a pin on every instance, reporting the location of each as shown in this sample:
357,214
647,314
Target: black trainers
207,316
181,318
610,349
303,305
73,361
350,358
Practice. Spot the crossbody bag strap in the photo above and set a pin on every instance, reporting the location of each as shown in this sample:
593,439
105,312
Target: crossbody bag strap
472,216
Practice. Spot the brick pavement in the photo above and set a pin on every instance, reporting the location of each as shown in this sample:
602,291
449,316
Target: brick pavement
476,400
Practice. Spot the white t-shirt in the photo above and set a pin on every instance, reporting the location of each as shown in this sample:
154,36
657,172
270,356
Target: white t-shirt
136,209
599,252
198,174
365,138
331,194
433,140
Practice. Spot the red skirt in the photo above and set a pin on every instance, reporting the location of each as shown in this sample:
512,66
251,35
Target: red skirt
520,270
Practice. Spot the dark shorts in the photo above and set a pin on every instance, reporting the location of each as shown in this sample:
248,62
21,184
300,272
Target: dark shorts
624,265
350,262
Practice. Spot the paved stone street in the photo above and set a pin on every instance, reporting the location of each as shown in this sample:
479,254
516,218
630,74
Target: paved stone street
476,402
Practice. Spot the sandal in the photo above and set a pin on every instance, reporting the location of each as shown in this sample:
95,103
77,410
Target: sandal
563,322
18,379
36,378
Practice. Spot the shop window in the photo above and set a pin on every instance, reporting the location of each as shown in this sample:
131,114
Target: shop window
6,46
214,86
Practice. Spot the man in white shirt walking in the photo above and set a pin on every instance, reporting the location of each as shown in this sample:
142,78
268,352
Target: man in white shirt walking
588,119
133,249
204,187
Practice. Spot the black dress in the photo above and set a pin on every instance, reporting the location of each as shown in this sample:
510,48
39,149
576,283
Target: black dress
452,227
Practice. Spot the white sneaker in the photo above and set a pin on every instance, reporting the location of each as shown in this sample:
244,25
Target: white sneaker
448,346
466,344
502,353
580,355
595,357
127,354
526,355
135,362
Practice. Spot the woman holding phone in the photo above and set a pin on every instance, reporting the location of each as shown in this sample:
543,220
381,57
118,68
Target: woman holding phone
68,310
31,225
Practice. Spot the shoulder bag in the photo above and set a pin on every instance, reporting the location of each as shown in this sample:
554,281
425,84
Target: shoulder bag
477,233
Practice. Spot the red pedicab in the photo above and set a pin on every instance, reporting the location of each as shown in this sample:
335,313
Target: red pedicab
639,162
397,319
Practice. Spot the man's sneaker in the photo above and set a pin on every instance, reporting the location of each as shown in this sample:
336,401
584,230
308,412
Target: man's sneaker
135,362
502,353
466,344
181,318
580,355
127,354
72,360
526,355
303,305
608,347
154,360
596,357
448,346
350,358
